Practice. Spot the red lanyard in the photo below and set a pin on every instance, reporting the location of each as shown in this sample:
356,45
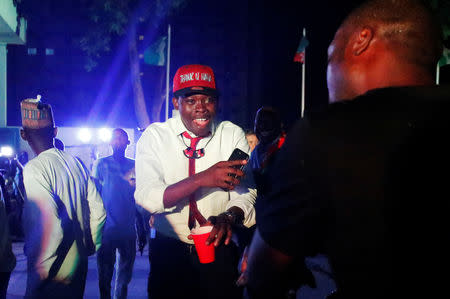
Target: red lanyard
194,213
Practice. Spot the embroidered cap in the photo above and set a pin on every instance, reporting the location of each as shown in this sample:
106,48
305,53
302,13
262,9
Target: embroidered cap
35,114
194,78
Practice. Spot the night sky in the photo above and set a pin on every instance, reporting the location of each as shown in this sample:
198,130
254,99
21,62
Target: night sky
249,44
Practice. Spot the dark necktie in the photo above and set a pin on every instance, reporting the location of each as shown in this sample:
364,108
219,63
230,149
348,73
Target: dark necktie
192,153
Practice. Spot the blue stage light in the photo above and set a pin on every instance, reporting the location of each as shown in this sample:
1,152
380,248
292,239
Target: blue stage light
105,134
6,151
85,135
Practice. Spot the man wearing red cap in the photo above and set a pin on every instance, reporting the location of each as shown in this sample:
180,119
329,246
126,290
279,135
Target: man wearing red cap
63,213
182,177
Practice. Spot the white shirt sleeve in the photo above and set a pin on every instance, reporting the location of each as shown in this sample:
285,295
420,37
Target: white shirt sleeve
97,213
96,174
150,185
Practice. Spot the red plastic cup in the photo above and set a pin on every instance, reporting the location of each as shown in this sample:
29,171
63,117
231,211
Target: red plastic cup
205,252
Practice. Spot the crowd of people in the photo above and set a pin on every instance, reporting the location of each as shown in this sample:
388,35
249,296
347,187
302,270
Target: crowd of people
349,202
11,183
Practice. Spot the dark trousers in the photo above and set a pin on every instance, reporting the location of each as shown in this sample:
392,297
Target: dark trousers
175,271
106,258
4,280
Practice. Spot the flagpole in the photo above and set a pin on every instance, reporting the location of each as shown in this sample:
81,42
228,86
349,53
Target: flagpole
168,71
303,79
437,74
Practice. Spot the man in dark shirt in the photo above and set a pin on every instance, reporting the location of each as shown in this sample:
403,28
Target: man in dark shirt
364,181
115,179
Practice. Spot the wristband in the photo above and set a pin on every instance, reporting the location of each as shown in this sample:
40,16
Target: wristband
233,217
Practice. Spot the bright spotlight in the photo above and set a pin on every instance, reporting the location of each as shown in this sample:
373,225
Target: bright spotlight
84,135
6,151
104,134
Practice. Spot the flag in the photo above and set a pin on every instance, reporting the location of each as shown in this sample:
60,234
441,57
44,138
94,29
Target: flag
155,54
300,54
445,59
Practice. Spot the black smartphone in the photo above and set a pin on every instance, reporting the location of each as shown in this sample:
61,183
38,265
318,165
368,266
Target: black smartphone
237,154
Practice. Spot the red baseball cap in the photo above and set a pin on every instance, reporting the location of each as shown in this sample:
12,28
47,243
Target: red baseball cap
194,78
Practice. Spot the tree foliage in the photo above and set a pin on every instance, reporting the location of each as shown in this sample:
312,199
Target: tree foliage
442,10
112,18
119,18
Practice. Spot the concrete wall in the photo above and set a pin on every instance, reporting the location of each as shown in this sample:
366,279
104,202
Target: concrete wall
8,14
8,35
3,69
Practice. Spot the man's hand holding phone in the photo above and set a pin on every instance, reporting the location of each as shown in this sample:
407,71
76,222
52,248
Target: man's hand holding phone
238,155
225,174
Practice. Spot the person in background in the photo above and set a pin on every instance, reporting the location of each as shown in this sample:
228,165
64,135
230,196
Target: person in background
182,178
116,180
23,158
63,214
19,195
11,182
251,139
268,128
7,257
365,180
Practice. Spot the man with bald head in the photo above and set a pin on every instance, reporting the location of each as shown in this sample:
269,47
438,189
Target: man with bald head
383,44
364,180
115,179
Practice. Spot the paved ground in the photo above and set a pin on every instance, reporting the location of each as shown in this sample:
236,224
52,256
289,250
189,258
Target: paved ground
138,285
136,289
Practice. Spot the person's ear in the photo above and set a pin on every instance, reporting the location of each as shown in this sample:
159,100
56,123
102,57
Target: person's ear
362,41
175,103
55,132
23,134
